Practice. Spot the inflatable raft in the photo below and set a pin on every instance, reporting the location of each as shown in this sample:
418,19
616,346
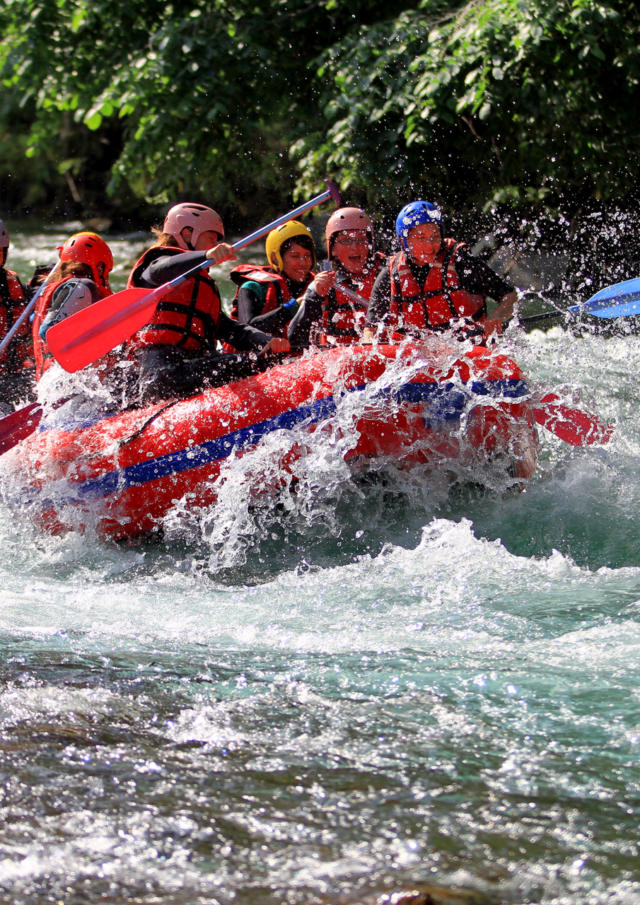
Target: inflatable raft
403,404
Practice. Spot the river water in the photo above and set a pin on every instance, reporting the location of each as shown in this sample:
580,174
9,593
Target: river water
374,688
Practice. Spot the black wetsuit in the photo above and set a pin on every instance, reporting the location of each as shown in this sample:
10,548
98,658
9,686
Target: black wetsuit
164,370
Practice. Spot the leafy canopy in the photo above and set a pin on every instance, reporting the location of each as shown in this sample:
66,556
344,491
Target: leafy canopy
471,102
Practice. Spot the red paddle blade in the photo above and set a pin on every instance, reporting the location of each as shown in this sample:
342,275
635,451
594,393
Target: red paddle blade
574,426
18,425
89,334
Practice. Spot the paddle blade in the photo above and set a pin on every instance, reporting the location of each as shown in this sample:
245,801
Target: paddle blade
574,426
18,425
627,306
618,300
89,334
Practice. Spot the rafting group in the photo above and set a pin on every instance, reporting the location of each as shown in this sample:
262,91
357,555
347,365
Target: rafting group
431,283
146,396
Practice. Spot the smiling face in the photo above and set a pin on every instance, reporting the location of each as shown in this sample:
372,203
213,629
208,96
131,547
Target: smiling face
423,243
350,248
296,262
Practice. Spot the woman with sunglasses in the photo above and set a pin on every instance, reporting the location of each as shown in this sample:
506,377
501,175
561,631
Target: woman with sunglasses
326,314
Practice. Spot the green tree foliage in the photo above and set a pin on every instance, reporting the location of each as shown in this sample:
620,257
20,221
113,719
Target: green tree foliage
198,98
241,103
503,100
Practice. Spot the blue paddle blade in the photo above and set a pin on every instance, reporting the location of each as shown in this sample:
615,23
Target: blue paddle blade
628,306
618,300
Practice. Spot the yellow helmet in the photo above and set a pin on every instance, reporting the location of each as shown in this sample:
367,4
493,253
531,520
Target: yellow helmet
278,236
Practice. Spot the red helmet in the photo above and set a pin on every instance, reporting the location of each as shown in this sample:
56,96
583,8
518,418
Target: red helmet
89,248
346,218
197,217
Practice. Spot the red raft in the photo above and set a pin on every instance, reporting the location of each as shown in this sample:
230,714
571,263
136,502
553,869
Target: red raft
408,404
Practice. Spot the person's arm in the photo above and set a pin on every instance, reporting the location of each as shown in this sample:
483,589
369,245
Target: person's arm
40,273
167,267
250,301
309,313
505,307
243,337
246,338
477,277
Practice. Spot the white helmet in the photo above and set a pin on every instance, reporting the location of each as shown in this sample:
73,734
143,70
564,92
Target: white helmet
197,217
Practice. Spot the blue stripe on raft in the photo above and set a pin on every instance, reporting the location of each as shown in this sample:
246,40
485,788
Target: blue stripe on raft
211,451
445,403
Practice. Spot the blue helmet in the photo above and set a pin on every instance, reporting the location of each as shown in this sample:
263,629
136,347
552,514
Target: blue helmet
414,214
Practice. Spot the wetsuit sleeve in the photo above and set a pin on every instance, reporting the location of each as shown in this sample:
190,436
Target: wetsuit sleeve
477,277
168,267
250,301
380,300
308,314
276,320
242,337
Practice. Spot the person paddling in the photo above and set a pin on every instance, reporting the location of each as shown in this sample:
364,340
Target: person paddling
351,262
268,293
176,353
80,278
434,283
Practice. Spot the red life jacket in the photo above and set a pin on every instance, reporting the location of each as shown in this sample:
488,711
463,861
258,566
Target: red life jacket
43,357
439,301
342,319
19,353
188,316
277,293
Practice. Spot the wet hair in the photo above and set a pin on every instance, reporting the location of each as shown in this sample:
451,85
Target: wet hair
71,269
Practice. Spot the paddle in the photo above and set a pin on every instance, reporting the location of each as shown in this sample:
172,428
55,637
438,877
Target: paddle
14,329
89,334
360,300
574,426
18,425
617,300
25,314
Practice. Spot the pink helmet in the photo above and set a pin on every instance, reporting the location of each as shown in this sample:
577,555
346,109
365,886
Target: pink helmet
346,218
4,236
196,216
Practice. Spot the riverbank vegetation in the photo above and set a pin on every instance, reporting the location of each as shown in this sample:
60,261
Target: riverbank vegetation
114,106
